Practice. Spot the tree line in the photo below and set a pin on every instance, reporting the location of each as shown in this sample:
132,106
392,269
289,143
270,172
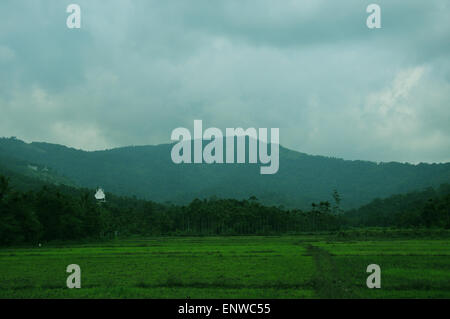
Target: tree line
67,213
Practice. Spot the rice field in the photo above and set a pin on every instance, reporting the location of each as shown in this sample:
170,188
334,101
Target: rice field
308,266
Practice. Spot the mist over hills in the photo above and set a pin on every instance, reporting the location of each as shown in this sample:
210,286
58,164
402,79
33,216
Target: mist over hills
148,172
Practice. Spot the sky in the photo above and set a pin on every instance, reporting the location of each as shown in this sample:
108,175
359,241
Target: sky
137,69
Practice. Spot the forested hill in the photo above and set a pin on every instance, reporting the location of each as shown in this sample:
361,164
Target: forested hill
429,207
148,172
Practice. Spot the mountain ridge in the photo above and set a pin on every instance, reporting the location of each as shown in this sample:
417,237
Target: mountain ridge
147,171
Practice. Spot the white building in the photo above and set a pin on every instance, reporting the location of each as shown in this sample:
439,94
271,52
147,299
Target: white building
100,195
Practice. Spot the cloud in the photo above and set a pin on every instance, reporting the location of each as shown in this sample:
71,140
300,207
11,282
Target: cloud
138,69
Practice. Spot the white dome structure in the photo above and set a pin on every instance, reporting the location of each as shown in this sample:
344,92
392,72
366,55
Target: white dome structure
100,195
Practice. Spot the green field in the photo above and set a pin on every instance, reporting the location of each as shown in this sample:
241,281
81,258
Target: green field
309,266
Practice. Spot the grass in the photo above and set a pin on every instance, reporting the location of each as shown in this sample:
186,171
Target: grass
309,266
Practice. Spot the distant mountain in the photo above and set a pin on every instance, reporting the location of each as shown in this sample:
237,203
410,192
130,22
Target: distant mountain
27,175
148,172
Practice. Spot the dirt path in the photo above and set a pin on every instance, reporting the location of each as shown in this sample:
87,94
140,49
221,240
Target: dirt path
328,279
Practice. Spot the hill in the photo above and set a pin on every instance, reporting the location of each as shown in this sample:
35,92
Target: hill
429,207
149,173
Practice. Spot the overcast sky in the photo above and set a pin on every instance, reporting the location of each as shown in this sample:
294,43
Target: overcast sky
138,69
